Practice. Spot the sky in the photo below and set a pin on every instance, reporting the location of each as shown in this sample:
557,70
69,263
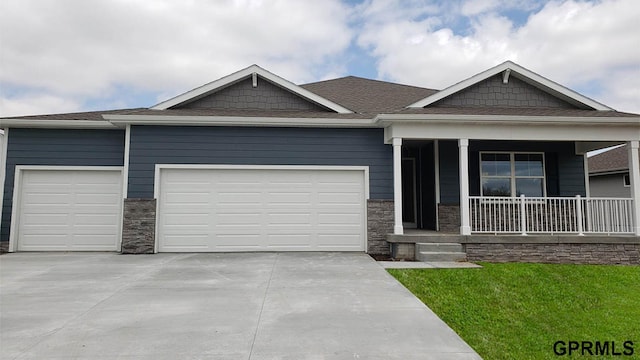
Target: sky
61,56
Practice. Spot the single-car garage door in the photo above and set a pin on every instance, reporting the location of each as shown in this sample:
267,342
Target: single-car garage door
264,209
68,210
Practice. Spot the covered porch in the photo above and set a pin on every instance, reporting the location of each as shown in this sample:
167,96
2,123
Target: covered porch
508,184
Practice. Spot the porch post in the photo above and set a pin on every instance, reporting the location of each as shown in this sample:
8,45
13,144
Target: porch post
397,186
465,228
634,178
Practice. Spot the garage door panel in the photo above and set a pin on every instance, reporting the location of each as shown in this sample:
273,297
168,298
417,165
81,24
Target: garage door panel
262,209
70,210
287,198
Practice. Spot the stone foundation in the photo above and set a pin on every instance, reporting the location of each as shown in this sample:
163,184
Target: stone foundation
139,226
379,224
563,253
449,218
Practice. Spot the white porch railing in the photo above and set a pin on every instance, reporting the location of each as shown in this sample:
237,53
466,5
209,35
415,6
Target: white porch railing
550,215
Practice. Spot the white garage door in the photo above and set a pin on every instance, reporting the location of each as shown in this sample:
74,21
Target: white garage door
69,210
261,210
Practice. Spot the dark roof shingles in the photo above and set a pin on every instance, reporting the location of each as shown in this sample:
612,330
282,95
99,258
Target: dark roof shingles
367,96
612,160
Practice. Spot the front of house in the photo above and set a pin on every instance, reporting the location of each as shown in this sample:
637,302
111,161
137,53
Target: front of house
253,162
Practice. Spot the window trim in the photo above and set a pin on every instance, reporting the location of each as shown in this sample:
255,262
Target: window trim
626,180
512,176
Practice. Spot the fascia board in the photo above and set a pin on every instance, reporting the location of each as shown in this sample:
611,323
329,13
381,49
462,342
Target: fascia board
76,124
121,120
239,75
524,74
386,119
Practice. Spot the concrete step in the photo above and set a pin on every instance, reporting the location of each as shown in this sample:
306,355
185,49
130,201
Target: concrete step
437,247
440,251
441,256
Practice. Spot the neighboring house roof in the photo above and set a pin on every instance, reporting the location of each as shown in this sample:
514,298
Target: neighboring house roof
611,161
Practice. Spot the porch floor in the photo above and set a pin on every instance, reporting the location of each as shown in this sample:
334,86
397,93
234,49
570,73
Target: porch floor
430,236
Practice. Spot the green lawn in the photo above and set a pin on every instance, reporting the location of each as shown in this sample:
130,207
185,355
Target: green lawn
518,311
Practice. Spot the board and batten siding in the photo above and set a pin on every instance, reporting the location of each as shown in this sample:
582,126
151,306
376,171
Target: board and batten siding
151,145
57,147
564,169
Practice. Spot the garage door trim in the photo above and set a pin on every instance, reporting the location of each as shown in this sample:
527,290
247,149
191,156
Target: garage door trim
160,167
17,183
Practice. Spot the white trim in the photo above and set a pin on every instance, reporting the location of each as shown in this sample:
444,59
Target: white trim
436,156
587,185
76,124
634,177
625,176
15,211
125,177
159,167
463,150
125,169
182,120
3,167
523,131
388,119
241,75
398,228
523,74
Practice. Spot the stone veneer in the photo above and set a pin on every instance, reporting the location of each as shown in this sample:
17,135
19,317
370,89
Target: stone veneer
449,218
379,224
139,226
567,253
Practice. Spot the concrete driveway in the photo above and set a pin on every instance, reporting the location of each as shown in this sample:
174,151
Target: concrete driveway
213,306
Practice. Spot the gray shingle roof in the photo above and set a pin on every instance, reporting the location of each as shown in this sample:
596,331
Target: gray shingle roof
367,96
610,161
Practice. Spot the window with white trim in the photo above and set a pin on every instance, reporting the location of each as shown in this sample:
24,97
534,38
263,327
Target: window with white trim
627,180
512,174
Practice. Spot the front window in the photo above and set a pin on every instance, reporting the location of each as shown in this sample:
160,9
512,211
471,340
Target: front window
512,174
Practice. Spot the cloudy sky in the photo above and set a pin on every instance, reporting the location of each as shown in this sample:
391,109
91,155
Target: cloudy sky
79,55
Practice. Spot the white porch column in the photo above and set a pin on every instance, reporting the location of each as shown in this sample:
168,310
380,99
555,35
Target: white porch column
465,227
397,186
634,177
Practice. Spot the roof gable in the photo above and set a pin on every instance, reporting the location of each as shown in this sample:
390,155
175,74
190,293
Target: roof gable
506,72
493,92
255,76
243,95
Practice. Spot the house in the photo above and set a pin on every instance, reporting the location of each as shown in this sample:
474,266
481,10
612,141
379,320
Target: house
253,162
609,173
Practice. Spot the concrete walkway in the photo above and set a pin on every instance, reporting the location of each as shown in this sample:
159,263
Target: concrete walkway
213,306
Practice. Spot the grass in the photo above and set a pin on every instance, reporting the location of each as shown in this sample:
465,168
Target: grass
518,311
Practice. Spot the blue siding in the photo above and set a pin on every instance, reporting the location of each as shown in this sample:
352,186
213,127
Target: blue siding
152,145
57,147
449,169
564,169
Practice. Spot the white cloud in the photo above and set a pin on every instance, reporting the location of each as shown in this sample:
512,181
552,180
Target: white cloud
34,104
583,45
90,48
70,55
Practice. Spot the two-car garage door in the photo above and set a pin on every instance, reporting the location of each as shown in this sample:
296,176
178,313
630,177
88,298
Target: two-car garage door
263,209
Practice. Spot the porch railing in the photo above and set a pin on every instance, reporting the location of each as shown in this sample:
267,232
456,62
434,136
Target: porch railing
550,215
